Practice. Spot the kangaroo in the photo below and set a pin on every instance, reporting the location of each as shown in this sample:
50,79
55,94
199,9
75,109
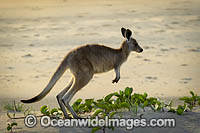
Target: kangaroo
84,62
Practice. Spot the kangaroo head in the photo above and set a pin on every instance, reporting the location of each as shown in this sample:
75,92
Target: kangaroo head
131,42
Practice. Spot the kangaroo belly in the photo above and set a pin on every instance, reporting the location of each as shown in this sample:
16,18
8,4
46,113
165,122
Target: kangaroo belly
102,63
102,67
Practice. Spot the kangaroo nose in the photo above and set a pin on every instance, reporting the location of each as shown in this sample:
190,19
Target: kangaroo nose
141,50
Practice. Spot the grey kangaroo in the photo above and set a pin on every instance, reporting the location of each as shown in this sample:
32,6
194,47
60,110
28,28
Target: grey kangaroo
84,62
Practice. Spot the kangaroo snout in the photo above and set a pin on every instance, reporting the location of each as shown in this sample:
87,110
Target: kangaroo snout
139,50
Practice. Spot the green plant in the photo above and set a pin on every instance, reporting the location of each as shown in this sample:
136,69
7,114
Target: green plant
192,101
10,126
104,107
80,107
54,113
170,107
14,108
116,102
189,103
17,107
180,109
109,106
45,110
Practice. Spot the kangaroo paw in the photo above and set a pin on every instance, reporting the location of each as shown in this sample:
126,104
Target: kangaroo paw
115,81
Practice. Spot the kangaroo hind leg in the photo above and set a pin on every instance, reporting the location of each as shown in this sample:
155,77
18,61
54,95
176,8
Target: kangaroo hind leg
59,98
83,73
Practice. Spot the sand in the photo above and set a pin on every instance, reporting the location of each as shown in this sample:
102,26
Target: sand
35,35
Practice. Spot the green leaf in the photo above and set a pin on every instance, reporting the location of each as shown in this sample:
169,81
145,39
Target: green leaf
146,103
152,99
124,105
115,106
100,100
140,97
88,105
54,110
102,106
78,101
45,110
81,108
128,91
184,98
108,97
109,108
185,107
9,127
94,129
76,104
104,114
97,112
116,94
145,95
13,124
158,107
180,110
75,107
89,101
192,93
112,114
121,92
43,107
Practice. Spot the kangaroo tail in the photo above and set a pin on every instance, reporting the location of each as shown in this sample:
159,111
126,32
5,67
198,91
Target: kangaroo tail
59,72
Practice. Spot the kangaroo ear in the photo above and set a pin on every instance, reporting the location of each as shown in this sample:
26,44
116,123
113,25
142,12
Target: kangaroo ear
128,34
123,30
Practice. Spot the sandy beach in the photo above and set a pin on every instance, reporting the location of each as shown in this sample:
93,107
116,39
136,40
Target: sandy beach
35,36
